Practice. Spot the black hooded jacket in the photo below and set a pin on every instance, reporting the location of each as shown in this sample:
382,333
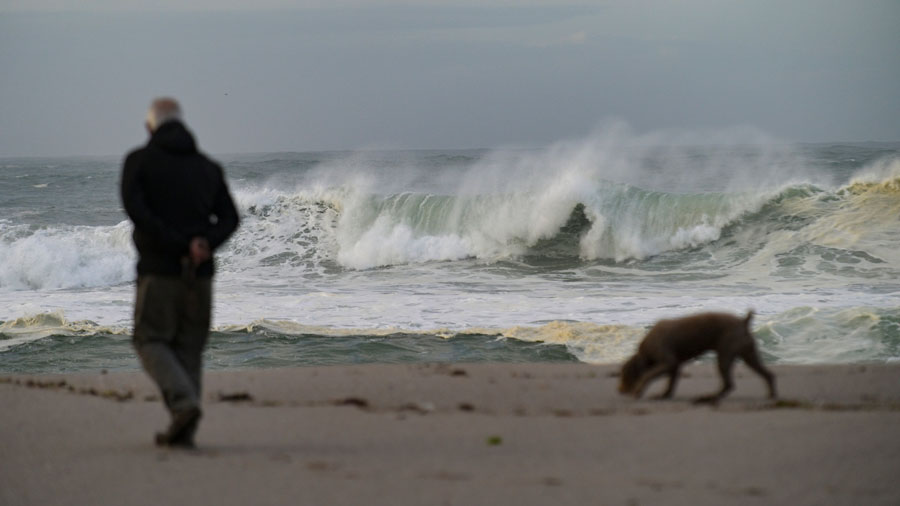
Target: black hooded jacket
174,193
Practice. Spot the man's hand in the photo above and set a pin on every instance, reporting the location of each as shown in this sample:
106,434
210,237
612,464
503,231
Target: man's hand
198,250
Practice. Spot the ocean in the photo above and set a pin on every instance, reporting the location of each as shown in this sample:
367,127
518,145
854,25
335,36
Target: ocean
563,253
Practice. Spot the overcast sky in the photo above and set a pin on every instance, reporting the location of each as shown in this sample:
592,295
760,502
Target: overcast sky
76,78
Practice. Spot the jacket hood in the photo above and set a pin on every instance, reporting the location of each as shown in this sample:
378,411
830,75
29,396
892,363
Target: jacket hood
174,137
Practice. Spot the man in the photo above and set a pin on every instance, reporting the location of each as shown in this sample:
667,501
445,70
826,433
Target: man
182,211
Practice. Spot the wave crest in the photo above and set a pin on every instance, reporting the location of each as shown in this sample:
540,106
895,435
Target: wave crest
65,257
570,214
38,326
578,219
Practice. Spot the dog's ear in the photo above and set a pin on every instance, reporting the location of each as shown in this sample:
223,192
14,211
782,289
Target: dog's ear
749,317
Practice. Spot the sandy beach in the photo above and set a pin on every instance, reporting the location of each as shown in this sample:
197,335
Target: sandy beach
456,434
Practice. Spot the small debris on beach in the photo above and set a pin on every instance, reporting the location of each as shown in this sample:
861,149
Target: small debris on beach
422,408
352,401
235,397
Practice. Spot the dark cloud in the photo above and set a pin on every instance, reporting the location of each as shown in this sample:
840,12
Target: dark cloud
447,74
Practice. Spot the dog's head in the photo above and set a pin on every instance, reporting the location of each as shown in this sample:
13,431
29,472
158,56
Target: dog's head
631,372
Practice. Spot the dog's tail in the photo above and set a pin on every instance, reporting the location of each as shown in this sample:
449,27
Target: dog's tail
749,317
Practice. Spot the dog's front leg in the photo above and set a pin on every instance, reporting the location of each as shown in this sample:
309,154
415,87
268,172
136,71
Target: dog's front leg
724,361
655,372
674,372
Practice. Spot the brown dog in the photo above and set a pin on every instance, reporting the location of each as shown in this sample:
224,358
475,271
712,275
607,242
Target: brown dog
670,343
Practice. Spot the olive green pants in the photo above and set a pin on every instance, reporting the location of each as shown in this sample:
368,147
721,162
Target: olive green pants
171,326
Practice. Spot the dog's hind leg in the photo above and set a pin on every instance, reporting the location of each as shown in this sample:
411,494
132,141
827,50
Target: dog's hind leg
751,357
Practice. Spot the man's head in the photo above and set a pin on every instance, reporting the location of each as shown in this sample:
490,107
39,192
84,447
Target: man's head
162,110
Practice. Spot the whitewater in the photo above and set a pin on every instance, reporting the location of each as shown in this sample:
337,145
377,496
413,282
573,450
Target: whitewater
567,252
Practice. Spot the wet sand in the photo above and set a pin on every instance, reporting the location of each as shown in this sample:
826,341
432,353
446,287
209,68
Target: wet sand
456,434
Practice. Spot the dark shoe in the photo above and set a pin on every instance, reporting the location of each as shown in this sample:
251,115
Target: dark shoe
181,430
162,439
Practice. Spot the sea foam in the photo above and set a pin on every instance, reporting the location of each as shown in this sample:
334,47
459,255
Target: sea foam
65,256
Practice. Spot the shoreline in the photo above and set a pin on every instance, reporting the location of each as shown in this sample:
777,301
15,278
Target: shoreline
456,434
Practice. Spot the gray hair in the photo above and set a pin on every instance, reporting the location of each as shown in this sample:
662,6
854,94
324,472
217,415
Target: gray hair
162,110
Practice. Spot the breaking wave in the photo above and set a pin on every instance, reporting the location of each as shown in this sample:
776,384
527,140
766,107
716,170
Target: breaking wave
589,221
570,215
795,336
64,256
